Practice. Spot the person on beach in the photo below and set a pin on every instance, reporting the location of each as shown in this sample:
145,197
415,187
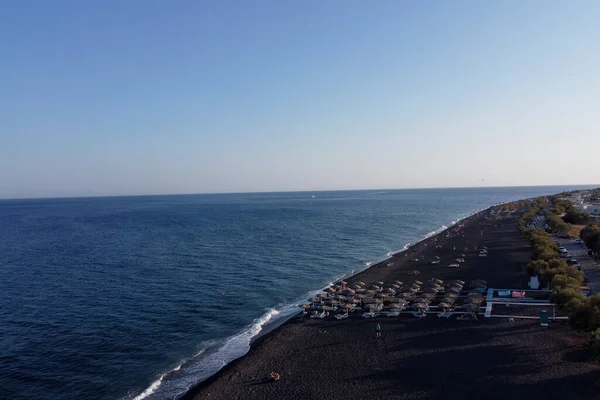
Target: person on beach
378,330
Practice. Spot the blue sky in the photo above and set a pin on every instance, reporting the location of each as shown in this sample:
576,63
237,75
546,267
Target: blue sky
138,97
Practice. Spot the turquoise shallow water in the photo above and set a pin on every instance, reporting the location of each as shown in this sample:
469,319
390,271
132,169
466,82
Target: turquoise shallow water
142,297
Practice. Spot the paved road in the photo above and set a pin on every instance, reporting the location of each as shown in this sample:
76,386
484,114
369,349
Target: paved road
588,265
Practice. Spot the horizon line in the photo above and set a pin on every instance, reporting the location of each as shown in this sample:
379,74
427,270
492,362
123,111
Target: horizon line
280,191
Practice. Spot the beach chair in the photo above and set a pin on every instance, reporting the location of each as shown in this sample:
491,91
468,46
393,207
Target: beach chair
393,313
341,316
419,314
368,315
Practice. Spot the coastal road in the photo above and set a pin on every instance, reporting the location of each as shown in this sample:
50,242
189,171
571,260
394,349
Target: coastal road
588,265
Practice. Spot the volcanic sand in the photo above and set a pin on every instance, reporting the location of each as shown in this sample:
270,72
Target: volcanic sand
429,358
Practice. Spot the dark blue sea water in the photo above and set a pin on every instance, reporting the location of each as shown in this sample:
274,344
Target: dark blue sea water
142,297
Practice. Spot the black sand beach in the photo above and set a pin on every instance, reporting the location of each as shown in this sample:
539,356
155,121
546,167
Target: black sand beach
427,358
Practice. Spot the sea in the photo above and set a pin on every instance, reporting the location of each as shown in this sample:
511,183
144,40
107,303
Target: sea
144,297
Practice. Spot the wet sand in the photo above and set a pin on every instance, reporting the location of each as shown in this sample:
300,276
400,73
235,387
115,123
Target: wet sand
427,358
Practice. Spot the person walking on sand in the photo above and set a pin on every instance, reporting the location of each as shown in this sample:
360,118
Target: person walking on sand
378,330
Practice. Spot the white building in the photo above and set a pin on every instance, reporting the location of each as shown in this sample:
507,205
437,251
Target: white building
592,208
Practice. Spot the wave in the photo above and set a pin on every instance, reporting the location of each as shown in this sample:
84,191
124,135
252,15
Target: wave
178,381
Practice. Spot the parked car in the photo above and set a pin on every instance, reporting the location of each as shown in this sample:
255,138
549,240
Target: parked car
572,262
578,241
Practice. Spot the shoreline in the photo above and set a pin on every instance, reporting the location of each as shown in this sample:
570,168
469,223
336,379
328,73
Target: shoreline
272,330
298,346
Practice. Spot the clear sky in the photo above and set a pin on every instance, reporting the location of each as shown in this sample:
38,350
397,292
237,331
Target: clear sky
111,97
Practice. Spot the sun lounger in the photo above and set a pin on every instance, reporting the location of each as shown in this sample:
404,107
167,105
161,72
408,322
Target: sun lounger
341,316
368,315
419,314
392,313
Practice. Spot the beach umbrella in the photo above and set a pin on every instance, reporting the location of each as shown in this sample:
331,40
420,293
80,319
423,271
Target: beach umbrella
478,285
368,301
399,283
389,291
476,300
438,281
444,305
305,306
462,255
420,306
349,292
356,286
347,306
322,295
436,257
373,287
457,281
380,283
397,287
479,281
330,290
450,295
325,308
418,282
314,299
370,306
361,283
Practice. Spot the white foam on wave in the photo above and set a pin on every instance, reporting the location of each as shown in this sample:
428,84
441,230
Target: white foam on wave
194,370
